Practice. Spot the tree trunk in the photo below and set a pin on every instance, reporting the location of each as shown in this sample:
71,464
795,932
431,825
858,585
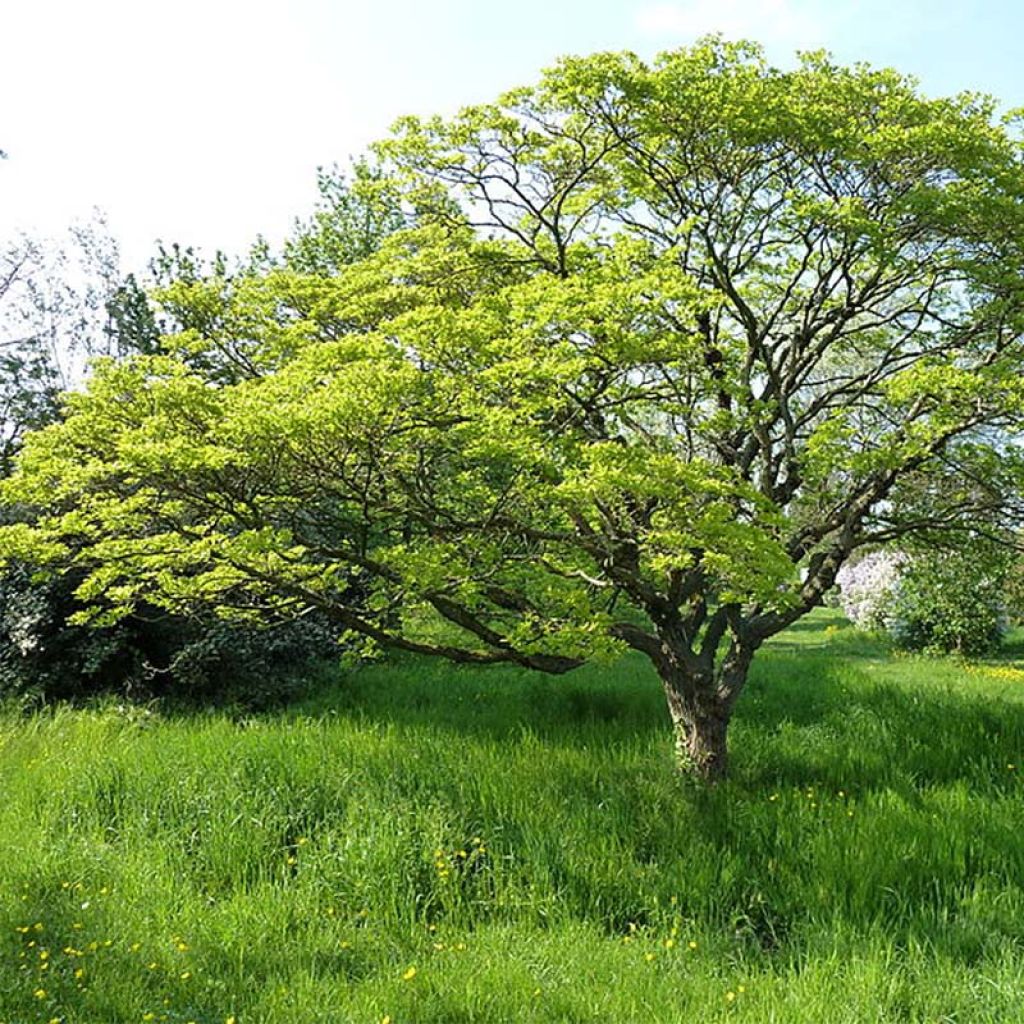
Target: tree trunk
700,701
700,725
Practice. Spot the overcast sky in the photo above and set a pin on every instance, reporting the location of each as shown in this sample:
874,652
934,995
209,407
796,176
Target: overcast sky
203,121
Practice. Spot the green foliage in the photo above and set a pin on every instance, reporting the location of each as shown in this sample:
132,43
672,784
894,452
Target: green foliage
30,377
864,863
353,217
952,600
45,656
134,326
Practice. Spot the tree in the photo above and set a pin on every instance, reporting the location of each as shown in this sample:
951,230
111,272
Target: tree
353,216
29,376
664,345
52,317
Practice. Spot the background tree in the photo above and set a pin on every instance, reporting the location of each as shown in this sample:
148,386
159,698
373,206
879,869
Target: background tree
659,352
30,371
353,215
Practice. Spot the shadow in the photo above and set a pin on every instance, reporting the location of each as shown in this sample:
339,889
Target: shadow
842,715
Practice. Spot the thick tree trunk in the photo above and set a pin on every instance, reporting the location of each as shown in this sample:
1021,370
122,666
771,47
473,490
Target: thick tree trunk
700,703
700,725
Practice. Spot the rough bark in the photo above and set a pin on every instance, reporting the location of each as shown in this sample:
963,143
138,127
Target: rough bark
700,702
700,736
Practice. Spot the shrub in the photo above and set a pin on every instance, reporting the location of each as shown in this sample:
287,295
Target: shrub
150,654
952,600
931,599
867,588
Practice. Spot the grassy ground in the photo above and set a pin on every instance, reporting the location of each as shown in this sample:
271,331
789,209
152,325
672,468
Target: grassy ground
421,843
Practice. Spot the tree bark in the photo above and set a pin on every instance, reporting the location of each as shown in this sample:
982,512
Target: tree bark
701,695
700,725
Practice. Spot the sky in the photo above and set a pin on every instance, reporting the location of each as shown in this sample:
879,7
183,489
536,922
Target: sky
203,121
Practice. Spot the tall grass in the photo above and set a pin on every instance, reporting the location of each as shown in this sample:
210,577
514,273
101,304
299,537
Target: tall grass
427,843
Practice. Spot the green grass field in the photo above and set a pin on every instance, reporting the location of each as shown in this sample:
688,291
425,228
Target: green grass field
421,843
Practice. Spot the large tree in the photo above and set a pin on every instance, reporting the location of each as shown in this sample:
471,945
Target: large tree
663,346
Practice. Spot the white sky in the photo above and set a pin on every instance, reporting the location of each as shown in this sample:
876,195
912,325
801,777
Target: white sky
204,121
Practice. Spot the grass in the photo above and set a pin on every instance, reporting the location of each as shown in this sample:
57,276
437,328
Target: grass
421,843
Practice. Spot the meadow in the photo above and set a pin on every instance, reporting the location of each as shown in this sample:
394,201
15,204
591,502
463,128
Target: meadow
416,842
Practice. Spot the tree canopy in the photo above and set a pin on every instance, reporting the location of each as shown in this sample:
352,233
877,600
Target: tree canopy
660,346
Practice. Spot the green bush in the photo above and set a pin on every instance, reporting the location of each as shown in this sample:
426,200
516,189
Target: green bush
952,600
151,654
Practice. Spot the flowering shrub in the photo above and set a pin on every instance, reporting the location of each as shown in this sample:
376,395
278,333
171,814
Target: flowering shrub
867,588
933,600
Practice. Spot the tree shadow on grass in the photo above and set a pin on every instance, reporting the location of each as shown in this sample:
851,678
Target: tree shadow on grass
808,717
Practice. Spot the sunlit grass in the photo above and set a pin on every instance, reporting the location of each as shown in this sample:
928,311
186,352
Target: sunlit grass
426,843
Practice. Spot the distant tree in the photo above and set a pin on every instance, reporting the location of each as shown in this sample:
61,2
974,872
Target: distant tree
353,217
31,374
666,345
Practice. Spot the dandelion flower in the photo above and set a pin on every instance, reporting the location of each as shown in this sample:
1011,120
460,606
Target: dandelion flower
409,974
